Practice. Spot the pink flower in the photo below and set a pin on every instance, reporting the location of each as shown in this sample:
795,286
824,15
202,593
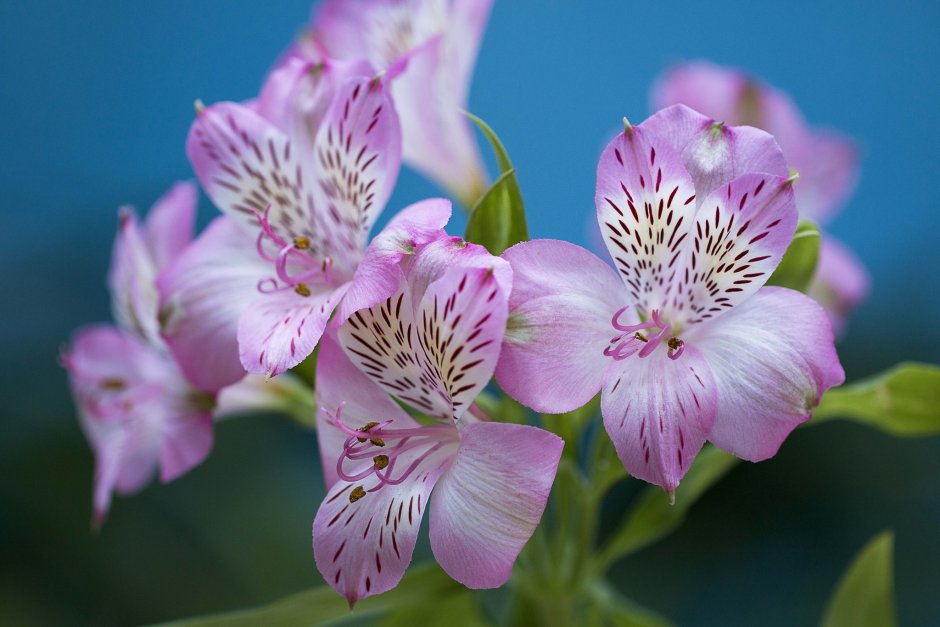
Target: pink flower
438,40
686,345
826,161
300,180
433,342
137,409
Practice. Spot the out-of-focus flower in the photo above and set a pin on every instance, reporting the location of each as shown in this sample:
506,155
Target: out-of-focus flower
826,161
490,480
437,43
300,190
687,345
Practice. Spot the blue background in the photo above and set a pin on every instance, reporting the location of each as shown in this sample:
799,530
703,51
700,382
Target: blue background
96,101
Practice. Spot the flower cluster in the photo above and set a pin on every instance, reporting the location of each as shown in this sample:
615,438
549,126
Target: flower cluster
681,336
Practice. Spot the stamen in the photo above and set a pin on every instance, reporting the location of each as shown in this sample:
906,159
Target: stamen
364,429
113,383
301,242
676,347
357,493
381,461
302,289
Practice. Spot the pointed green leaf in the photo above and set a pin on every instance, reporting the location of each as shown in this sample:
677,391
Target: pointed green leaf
456,610
323,605
798,265
621,611
498,220
865,595
653,518
904,401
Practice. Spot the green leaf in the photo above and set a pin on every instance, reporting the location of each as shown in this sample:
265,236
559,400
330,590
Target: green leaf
323,605
456,610
621,611
653,518
498,220
798,265
865,595
904,401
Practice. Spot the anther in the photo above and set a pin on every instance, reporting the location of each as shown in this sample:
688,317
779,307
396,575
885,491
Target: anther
381,461
357,493
365,429
302,289
113,383
377,441
640,337
676,346
301,242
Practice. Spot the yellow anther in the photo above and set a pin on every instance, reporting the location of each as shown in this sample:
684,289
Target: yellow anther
113,383
640,337
301,242
381,461
366,428
302,289
674,343
357,493
377,441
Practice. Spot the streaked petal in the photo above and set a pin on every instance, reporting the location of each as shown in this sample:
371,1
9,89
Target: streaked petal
841,282
279,330
772,357
645,204
363,545
202,295
712,152
487,505
658,412
739,237
340,384
560,309
378,275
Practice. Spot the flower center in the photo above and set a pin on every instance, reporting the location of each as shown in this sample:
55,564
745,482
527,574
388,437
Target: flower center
642,338
395,454
295,264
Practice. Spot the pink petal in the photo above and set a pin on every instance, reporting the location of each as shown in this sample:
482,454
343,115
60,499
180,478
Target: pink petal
171,221
487,505
560,309
203,295
358,155
715,154
740,234
363,547
714,90
340,384
841,282
658,412
772,358
131,280
279,330
377,276
828,164
187,441
645,207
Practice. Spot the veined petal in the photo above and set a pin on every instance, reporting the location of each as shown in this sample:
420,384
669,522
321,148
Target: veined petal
202,295
171,221
460,324
828,167
365,531
560,311
489,502
358,152
378,275
658,412
279,330
466,25
772,358
714,153
341,386
739,236
840,284
645,207
716,91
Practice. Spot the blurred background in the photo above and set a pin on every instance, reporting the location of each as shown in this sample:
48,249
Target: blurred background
96,102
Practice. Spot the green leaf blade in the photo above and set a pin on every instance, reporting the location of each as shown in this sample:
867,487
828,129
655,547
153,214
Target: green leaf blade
498,219
864,596
798,266
903,401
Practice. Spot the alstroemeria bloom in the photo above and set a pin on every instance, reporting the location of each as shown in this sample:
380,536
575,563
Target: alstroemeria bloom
135,406
301,180
490,480
686,345
439,39
827,162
